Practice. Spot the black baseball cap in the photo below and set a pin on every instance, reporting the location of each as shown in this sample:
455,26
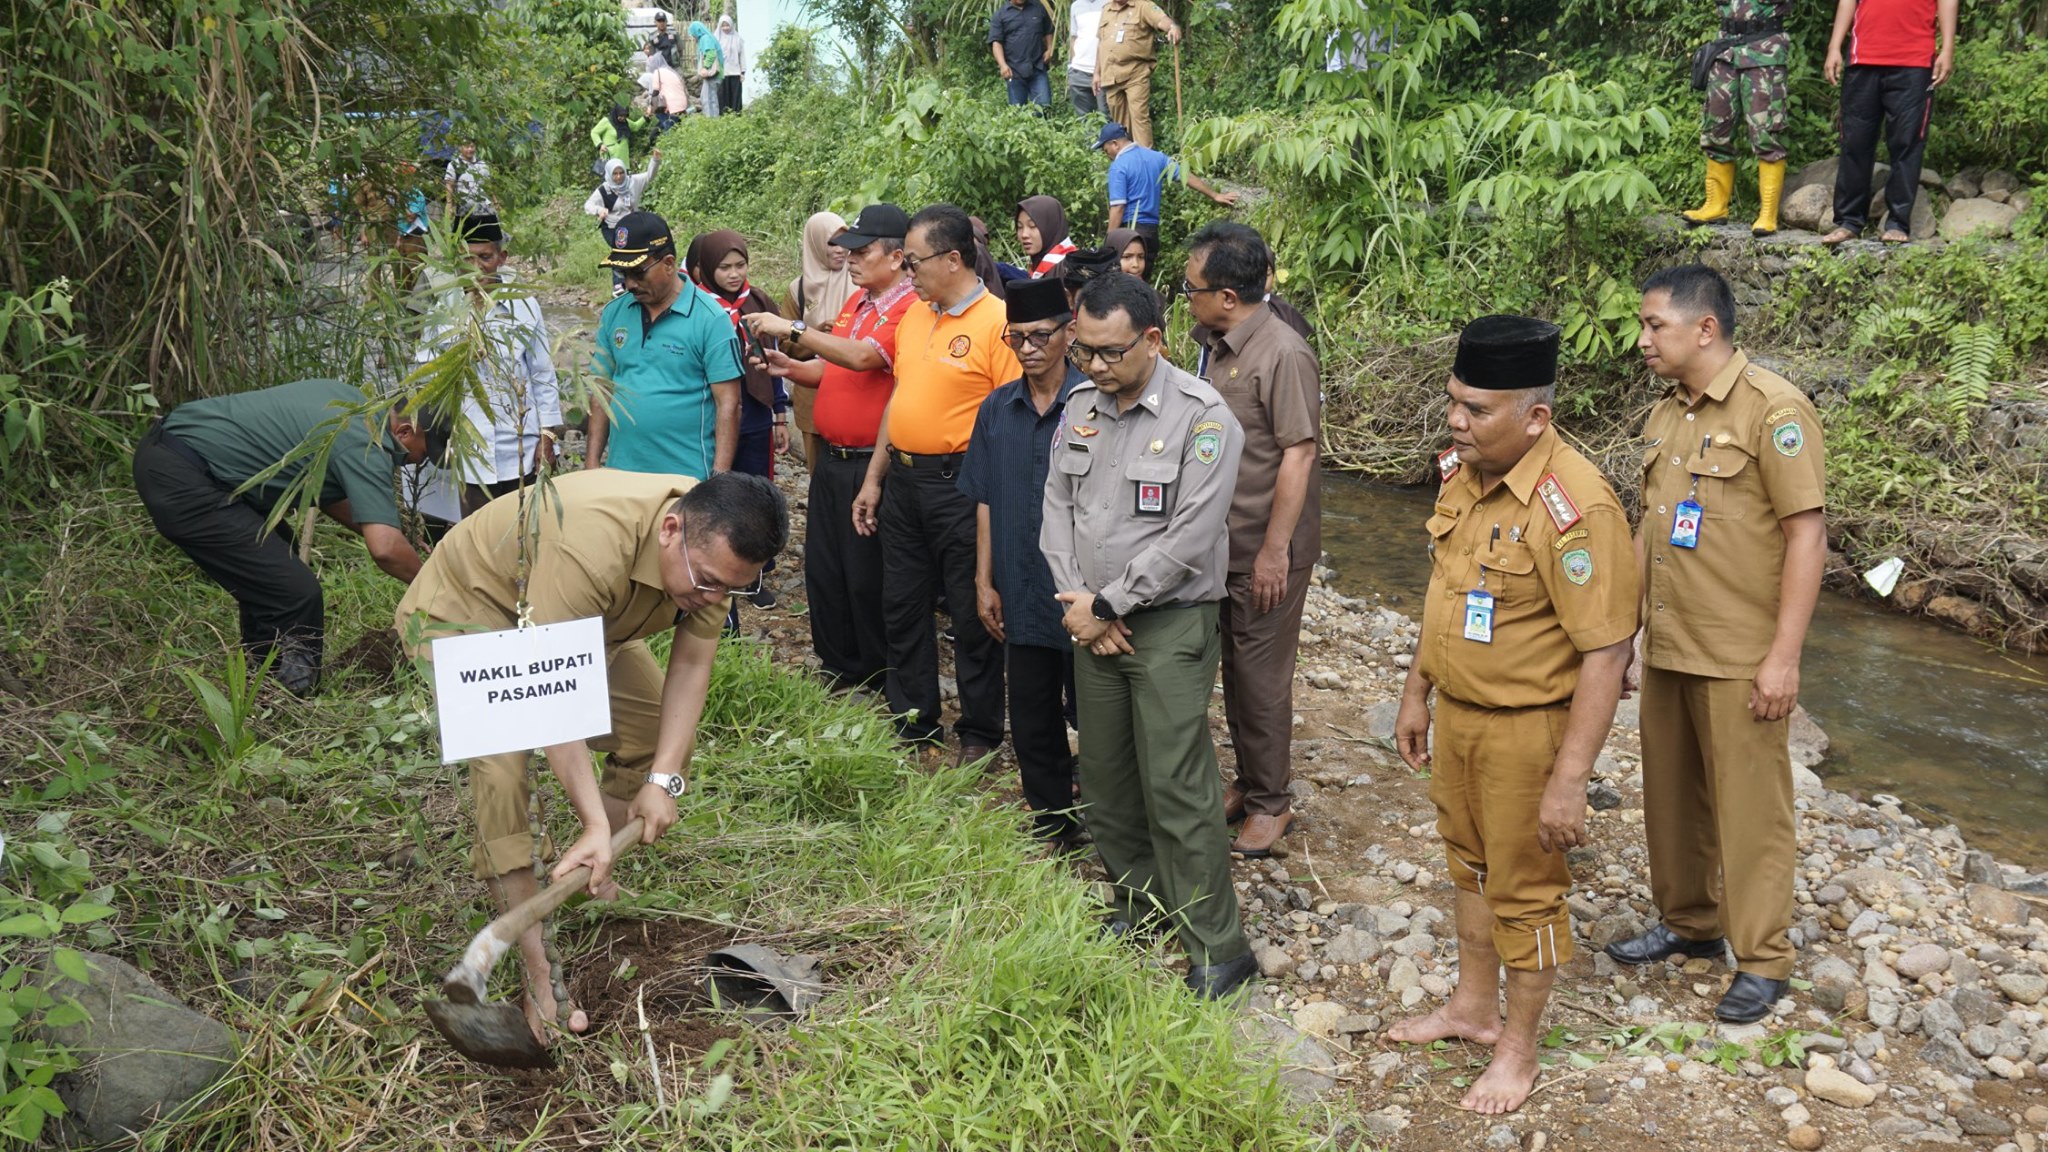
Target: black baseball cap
639,238
875,222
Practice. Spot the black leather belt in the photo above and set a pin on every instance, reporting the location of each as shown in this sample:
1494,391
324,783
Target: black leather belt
847,453
949,462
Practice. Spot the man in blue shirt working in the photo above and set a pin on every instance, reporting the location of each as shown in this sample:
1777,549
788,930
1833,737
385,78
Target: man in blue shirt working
673,362
1137,182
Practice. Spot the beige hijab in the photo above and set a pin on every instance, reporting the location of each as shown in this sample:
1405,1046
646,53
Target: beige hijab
823,291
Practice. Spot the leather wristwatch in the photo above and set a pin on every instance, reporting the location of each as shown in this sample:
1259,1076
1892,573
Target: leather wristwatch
1102,610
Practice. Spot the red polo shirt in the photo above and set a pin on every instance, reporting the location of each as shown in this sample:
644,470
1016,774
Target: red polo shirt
1898,33
848,411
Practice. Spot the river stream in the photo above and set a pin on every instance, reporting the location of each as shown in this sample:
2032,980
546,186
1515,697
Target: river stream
1952,726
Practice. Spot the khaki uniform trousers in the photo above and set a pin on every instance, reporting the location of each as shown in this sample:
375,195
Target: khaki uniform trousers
1717,812
1489,767
497,784
1148,778
1259,651
1130,104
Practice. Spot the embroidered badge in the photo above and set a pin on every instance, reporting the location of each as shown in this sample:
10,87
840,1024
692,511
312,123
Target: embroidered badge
1563,512
1085,430
959,346
1789,438
1208,445
1780,414
1206,426
621,241
1447,463
1567,538
1059,432
618,337
1578,565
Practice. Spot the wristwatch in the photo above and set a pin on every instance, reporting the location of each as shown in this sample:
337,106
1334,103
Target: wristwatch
1102,610
668,782
797,328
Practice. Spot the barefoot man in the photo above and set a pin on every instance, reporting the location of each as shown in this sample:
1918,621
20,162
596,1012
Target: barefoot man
1532,606
648,553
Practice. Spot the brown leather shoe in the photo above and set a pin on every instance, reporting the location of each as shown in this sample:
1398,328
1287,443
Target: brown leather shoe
1233,803
976,754
1255,840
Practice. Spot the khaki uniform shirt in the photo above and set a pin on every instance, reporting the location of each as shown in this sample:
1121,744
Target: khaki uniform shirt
1136,501
600,557
1269,376
1749,452
1125,49
1561,571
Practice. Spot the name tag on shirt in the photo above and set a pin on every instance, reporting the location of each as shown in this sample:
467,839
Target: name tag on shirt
1685,524
1119,35
1479,616
1151,498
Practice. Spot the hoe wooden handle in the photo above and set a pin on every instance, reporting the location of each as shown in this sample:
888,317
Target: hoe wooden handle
466,981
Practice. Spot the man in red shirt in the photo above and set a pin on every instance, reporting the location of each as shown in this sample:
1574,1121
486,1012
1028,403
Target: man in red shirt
854,373
1891,72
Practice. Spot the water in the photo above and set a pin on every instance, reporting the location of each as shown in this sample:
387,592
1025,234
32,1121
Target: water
1954,727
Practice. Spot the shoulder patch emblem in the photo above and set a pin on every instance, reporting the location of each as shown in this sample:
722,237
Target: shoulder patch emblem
1781,414
1578,565
1789,438
960,346
1208,445
618,337
1447,463
1059,432
1558,503
1567,538
1206,426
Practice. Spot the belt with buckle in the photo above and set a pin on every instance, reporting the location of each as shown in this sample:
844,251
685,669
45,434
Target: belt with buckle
832,449
948,462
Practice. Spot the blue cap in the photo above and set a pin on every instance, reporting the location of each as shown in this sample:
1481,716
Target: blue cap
1111,131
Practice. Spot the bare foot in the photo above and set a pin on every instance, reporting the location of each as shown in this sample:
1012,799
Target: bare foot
540,1015
1838,236
1894,236
1444,1024
1505,1084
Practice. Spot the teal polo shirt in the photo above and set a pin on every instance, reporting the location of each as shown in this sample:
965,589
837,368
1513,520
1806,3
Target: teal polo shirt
663,417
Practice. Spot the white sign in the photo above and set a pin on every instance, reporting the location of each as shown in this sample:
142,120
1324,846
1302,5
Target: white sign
522,688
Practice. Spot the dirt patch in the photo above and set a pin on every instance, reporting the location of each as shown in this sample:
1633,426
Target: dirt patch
376,656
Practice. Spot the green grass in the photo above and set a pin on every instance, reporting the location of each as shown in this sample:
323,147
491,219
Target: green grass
305,878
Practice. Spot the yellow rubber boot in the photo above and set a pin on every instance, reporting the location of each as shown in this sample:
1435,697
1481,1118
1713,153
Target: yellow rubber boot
1720,187
1770,188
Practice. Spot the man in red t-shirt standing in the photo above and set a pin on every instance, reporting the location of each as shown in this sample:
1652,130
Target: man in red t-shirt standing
1891,73
854,374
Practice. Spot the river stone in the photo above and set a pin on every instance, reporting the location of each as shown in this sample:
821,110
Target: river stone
1804,738
1833,981
1811,207
1305,1069
1923,960
1403,976
1976,1121
1273,962
2023,987
1819,173
1977,217
1996,181
1940,1018
1981,1040
143,1053
1946,1054
1838,1087
1982,868
1976,1006
1351,947
1804,1137
1320,1018
1965,184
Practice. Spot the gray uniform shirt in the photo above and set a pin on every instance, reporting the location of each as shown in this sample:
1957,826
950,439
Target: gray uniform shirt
1136,502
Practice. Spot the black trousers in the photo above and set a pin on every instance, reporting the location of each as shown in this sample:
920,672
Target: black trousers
1901,99
729,94
927,531
279,596
475,496
843,576
1041,703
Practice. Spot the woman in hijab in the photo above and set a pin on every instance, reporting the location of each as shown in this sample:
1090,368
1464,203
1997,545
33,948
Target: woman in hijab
1130,251
615,196
816,298
717,263
1042,234
732,52
710,66
985,264
612,136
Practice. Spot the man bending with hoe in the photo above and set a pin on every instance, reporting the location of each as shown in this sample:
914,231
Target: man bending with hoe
646,553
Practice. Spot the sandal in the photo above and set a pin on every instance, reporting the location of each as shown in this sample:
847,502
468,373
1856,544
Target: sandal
1838,236
1894,236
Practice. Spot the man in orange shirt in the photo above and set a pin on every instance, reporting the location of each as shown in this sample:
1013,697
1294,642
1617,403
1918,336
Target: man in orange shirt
949,356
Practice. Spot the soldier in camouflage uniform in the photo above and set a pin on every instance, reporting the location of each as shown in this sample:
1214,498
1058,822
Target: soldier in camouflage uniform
1747,77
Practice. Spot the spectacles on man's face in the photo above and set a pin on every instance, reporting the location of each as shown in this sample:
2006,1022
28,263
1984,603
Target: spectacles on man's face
1085,354
690,570
1017,340
912,262
1189,288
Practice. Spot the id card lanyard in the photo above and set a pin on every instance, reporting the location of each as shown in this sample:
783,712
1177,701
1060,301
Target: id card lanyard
1685,519
1479,602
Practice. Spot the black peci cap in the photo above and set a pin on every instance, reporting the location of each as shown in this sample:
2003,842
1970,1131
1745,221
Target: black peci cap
1031,300
875,222
639,238
481,228
1503,353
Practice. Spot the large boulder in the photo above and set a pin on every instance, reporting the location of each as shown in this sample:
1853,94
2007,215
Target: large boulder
1804,738
143,1054
1811,207
1965,185
1977,217
1820,173
1999,185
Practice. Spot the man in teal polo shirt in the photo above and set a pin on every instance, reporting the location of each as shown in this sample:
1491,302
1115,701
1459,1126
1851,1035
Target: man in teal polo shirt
673,360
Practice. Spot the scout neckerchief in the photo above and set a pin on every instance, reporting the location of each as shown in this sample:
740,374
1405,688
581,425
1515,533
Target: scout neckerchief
1052,258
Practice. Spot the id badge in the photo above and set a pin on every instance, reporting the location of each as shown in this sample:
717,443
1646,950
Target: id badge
1479,616
1685,524
1119,35
1151,497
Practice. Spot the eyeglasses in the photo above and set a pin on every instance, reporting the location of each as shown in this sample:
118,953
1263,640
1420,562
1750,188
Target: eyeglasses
690,569
1017,340
1188,288
912,262
1082,354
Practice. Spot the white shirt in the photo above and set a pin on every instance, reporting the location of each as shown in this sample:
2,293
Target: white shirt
518,377
1084,25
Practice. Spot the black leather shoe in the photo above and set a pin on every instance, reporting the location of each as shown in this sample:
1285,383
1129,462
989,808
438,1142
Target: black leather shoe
1118,930
1661,943
1749,998
1215,981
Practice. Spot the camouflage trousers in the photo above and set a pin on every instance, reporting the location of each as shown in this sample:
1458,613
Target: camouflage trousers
1759,95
